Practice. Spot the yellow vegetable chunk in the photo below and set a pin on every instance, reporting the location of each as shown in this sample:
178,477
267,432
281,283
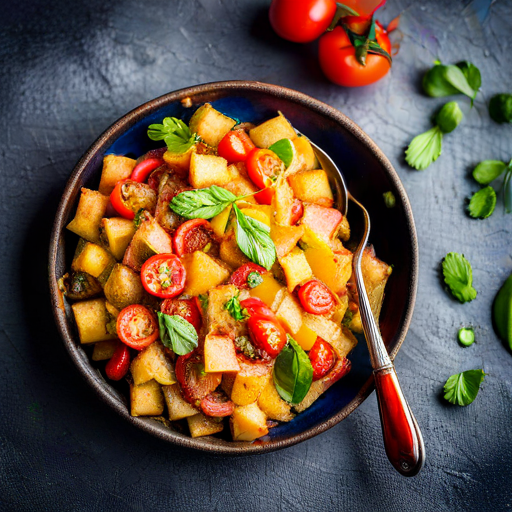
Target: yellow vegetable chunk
219,223
248,422
305,337
146,399
249,381
296,268
115,168
203,273
152,363
241,186
230,253
201,425
104,350
91,318
312,187
273,405
257,214
267,290
207,170
277,128
93,259
179,161
117,233
220,354
210,124
91,209
285,238
303,156
176,405
123,287
289,313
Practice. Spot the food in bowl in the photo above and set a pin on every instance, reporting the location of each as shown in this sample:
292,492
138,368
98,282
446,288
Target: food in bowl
211,275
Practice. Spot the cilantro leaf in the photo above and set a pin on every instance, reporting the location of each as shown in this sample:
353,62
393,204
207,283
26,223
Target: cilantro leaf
462,388
175,133
177,334
425,149
235,309
488,171
482,203
458,275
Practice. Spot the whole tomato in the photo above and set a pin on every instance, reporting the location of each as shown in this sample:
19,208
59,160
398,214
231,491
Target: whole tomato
301,21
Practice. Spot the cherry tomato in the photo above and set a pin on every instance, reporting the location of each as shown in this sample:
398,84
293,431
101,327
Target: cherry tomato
267,335
163,275
256,306
154,177
297,212
186,308
152,153
194,235
143,169
119,363
240,275
235,146
217,404
301,21
118,203
338,59
136,326
128,197
194,381
340,369
263,166
316,298
322,358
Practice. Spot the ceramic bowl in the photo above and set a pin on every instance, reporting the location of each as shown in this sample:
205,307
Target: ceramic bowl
368,174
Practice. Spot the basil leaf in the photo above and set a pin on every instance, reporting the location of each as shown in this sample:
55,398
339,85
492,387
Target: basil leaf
466,336
253,238
462,388
444,80
254,279
500,108
507,191
424,149
455,77
177,334
175,133
293,373
488,170
235,309
435,84
472,74
458,275
502,312
284,149
482,203
449,117
204,203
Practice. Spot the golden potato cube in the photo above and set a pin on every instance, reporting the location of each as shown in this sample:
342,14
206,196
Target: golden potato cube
249,382
296,268
340,309
201,425
91,209
322,326
241,186
176,405
285,238
277,128
289,313
305,337
207,170
218,318
104,350
146,399
273,405
312,187
210,124
282,201
91,318
248,422
230,253
123,287
344,229
203,273
115,168
117,234
152,363
304,157
93,259
219,223
220,354
179,161
267,290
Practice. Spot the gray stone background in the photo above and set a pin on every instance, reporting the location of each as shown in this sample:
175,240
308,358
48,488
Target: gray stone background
69,69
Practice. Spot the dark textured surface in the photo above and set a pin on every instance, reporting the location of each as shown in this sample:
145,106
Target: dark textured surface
70,70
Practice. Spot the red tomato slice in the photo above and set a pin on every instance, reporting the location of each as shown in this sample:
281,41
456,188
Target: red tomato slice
297,211
186,308
263,167
143,169
163,275
194,235
339,370
267,335
119,363
217,404
240,275
322,358
256,306
136,326
316,298
117,201
235,146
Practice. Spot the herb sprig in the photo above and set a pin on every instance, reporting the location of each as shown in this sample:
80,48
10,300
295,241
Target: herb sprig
177,334
458,275
235,309
462,388
175,133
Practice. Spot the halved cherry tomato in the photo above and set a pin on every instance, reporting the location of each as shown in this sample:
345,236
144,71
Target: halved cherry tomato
163,275
195,383
263,166
267,335
340,369
194,235
235,146
316,298
143,169
217,404
117,201
297,211
119,363
240,275
186,308
128,197
301,21
136,326
256,306
322,358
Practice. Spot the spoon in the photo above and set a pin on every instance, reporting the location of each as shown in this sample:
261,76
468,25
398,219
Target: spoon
402,436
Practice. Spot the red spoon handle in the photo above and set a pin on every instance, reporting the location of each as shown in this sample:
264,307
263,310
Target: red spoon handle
402,437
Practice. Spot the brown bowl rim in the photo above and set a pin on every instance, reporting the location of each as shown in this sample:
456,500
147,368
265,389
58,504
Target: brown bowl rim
101,144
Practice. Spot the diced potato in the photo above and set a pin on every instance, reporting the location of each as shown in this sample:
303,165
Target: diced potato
93,259
289,313
341,308
285,238
241,186
104,350
207,170
177,406
323,327
249,382
146,399
344,343
248,423
282,201
113,311
325,222
91,209
273,405
257,214
344,229
203,273
305,337
152,363
267,290
312,187
271,131
210,124
218,318
303,158
296,268
115,168
356,324
117,233
219,223
123,287
180,161
317,388
220,354
80,286
230,253
201,425
91,318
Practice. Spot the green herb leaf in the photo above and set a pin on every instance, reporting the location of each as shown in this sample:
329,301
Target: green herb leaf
458,275
284,149
500,108
175,133
466,336
254,279
203,299
424,149
502,312
235,309
507,191
449,117
204,203
293,373
139,218
243,343
472,74
253,238
177,334
435,84
462,388
389,199
488,170
444,80
482,203
454,76
341,12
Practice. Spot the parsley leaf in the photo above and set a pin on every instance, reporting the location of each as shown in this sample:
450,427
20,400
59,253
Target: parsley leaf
482,203
488,171
175,133
462,388
177,334
235,309
458,275
204,203
425,149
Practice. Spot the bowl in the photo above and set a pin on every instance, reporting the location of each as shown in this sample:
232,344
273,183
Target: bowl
368,174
